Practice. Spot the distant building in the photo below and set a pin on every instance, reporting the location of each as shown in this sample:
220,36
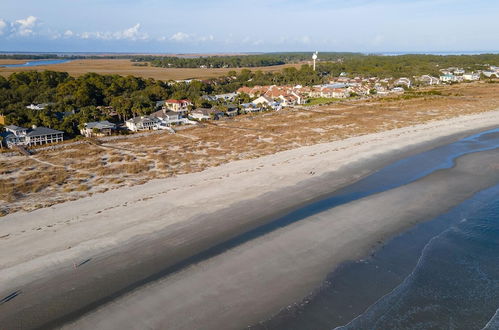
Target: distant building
263,100
229,97
448,78
429,80
15,135
471,76
403,82
98,128
3,120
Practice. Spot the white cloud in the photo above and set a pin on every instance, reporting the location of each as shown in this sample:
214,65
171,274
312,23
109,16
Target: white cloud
132,33
180,36
207,38
68,33
3,25
24,27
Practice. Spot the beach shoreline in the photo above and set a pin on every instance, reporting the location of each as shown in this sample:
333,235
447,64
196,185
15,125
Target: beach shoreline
170,220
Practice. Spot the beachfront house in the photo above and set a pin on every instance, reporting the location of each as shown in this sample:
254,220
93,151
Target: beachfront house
142,123
20,136
169,117
98,128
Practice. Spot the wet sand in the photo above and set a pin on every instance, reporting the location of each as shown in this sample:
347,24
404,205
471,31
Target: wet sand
118,247
261,276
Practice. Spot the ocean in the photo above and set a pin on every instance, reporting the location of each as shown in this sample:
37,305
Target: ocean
440,274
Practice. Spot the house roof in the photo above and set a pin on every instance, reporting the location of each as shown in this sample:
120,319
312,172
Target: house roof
177,101
15,128
206,111
100,125
142,119
40,131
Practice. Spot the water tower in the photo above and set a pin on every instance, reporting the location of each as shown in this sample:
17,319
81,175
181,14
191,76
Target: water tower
314,58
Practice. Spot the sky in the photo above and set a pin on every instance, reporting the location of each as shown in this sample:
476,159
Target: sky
220,26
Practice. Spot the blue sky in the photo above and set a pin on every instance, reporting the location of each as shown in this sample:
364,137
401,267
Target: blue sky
172,26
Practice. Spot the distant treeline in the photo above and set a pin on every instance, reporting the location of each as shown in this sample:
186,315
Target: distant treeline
235,61
408,65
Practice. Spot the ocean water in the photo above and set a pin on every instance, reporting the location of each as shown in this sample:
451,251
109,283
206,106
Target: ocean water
34,63
455,283
441,274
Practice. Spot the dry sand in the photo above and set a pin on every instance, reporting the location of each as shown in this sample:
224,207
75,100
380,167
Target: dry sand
177,217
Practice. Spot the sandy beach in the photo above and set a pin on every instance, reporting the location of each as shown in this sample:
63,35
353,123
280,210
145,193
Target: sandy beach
120,256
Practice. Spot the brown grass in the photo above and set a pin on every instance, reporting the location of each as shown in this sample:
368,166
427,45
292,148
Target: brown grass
125,67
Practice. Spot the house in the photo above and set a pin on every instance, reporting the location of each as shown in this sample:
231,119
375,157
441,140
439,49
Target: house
98,128
490,74
471,76
141,123
3,120
15,135
250,107
232,111
448,78
406,82
168,117
429,80
289,100
228,97
206,114
265,100
108,110
398,90
181,106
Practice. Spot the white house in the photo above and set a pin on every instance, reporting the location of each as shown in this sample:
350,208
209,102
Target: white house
448,78
97,128
403,82
265,100
142,123
471,76
429,80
